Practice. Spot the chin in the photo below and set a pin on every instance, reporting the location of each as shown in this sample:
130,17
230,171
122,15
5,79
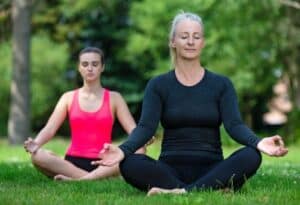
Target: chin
90,79
190,57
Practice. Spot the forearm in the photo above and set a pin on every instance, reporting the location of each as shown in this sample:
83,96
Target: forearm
244,135
138,138
43,137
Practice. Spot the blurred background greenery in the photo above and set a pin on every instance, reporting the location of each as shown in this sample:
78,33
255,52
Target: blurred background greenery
253,42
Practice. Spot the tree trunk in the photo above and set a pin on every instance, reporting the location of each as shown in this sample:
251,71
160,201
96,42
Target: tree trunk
19,115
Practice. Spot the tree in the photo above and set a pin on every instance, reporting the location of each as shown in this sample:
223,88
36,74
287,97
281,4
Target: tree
19,120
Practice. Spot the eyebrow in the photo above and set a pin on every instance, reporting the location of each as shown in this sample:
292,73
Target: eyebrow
90,61
185,32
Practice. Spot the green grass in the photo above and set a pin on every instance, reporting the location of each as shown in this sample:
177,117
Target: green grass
277,182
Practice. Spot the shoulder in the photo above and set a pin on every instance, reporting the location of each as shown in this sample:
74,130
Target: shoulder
67,97
116,99
218,79
162,77
114,95
216,76
161,80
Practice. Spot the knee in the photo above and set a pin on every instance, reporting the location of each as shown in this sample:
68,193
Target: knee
39,157
253,157
128,164
35,157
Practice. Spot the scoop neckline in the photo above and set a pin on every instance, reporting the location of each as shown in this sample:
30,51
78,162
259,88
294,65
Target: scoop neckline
191,86
100,106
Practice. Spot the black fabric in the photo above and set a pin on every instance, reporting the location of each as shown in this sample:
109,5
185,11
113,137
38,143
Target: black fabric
191,116
81,162
191,173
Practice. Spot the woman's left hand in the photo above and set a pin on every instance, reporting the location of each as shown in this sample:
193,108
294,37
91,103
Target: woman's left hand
272,146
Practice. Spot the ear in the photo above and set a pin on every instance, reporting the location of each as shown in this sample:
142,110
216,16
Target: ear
103,68
203,44
172,43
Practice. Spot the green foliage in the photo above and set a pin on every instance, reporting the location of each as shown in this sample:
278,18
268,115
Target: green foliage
5,73
100,23
248,41
238,44
49,77
5,20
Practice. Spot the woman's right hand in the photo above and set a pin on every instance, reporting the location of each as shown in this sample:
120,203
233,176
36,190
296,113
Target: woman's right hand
31,146
110,155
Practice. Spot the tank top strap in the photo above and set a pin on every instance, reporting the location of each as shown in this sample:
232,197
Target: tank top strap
106,97
74,102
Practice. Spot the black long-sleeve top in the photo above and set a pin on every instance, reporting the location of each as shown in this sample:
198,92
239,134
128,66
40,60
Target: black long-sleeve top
190,115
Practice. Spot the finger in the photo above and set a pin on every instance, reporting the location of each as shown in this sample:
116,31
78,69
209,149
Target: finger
107,163
277,137
281,143
283,151
102,152
280,152
97,162
106,146
34,150
29,140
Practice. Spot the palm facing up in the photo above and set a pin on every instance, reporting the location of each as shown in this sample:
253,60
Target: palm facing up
110,155
31,146
272,146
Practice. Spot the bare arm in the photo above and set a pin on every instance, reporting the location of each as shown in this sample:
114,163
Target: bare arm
124,116
54,122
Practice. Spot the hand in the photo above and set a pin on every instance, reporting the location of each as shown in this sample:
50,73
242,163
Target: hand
110,155
150,141
31,146
272,146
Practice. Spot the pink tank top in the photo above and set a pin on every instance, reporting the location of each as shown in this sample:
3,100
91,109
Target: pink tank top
89,130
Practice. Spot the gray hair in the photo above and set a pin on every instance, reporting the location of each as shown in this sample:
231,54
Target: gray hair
178,18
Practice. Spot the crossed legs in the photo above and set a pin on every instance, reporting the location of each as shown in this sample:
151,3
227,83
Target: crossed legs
156,176
54,166
50,164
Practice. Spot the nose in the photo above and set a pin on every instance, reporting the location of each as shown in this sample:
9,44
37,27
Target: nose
190,41
90,67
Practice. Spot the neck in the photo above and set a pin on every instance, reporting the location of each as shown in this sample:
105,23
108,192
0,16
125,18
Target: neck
189,69
92,87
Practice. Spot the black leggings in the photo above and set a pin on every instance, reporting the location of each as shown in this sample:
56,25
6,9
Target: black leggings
144,172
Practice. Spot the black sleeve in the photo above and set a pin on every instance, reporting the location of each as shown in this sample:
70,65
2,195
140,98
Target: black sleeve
232,119
146,127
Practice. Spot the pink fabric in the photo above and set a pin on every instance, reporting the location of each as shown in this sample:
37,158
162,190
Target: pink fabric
89,130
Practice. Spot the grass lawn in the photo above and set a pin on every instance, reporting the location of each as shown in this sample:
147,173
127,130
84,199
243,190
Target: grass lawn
277,182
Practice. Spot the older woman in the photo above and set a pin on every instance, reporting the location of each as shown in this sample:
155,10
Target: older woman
191,102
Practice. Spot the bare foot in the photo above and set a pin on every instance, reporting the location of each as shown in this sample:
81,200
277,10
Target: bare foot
61,177
157,190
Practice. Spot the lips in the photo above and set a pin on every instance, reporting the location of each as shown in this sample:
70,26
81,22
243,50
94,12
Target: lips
190,50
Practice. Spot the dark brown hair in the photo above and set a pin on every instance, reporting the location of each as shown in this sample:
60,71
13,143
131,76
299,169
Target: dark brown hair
93,50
